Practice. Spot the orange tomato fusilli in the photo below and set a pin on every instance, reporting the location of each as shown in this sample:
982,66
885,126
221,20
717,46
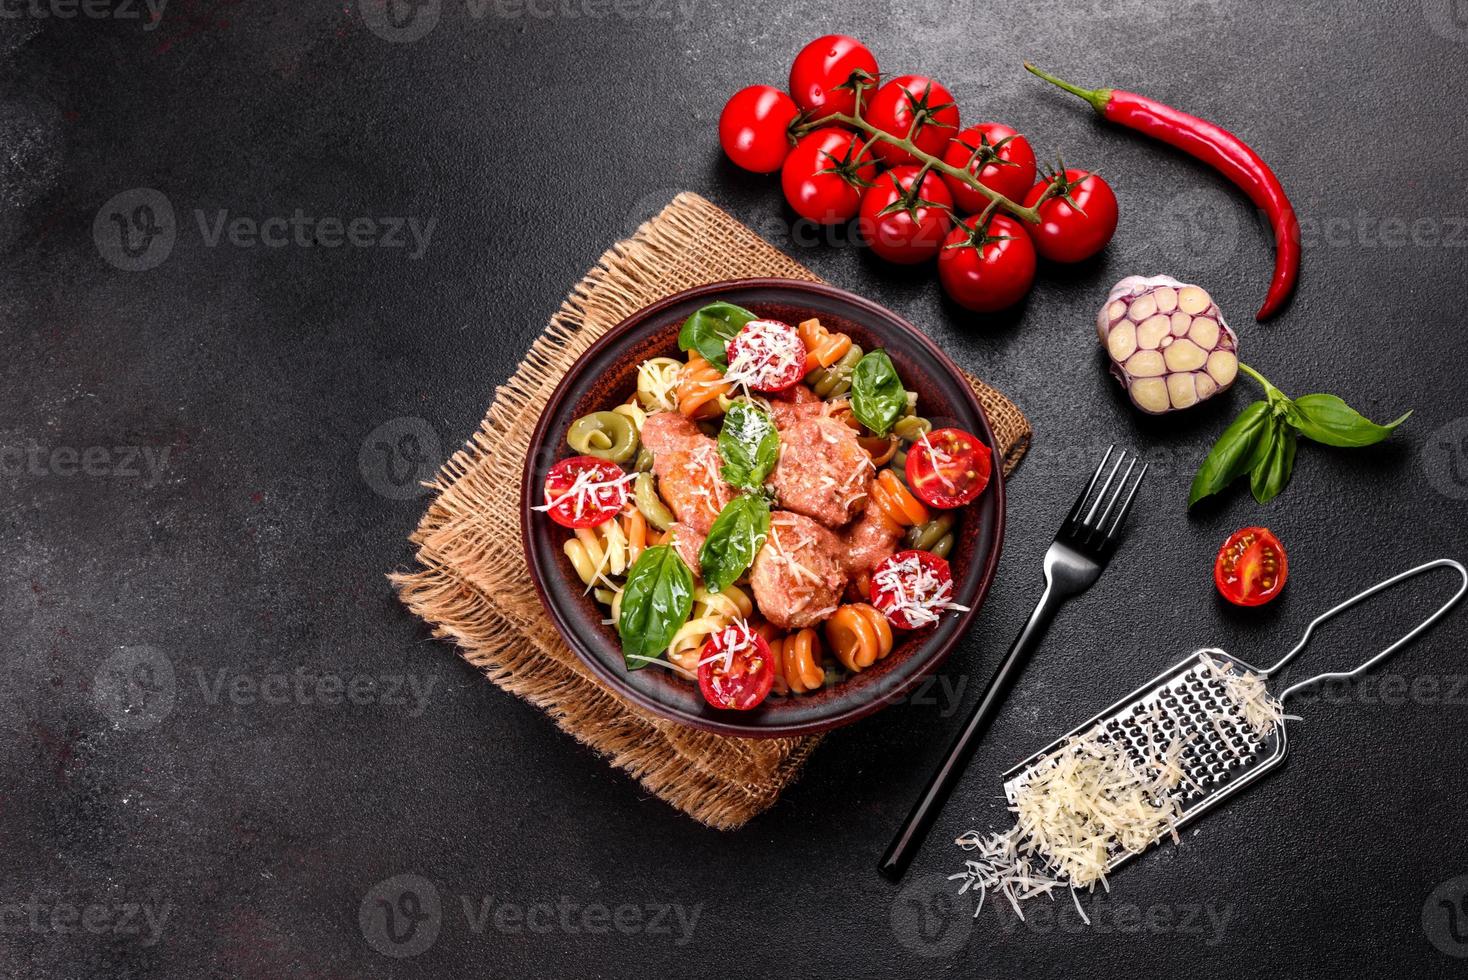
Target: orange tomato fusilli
859,636
700,386
896,502
822,347
798,662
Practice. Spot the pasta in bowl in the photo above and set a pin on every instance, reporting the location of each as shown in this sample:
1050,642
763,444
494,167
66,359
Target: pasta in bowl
763,507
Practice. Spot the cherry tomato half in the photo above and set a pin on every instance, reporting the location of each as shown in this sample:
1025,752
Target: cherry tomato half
901,221
735,668
898,103
1251,567
766,355
754,128
584,491
948,468
827,73
987,269
824,175
912,589
1001,158
1077,226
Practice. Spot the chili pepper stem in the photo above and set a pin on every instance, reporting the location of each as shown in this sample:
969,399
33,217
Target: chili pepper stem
1098,97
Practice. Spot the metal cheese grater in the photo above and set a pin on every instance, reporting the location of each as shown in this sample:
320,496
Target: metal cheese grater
1188,700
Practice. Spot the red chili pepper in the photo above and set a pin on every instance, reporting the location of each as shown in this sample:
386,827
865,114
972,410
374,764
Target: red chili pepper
1221,150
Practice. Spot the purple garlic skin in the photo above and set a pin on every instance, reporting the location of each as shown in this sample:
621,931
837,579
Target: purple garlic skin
1168,343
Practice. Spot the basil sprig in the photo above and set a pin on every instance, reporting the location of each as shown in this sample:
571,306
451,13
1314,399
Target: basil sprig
877,396
656,601
736,537
710,329
1262,440
749,444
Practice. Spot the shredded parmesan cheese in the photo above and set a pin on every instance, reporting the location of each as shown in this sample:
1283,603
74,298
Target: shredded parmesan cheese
915,591
1260,709
766,351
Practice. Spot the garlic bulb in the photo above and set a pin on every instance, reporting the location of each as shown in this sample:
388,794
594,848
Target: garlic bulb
1168,344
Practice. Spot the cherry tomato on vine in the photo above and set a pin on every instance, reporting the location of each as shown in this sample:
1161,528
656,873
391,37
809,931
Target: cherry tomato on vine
903,100
948,468
735,669
1251,567
584,491
1077,224
985,269
754,128
1000,157
824,175
904,221
827,73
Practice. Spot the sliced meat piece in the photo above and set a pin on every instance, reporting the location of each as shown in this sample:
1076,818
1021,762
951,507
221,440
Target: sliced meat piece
687,542
868,542
690,484
666,432
823,472
797,576
799,404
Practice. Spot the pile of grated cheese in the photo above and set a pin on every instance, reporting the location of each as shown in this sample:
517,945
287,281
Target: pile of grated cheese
915,592
1261,710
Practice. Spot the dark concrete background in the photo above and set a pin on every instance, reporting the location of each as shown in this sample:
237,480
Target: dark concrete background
196,508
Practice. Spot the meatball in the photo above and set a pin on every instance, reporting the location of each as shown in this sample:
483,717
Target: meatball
823,472
665,432
870,541
797,577
800,403
688,467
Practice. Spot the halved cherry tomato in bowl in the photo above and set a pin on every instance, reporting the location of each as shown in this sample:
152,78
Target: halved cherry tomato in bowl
766,355
735,668
1251,567
948,468
913,588
584,491
827,73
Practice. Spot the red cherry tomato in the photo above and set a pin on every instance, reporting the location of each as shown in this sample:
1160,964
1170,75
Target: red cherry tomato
754,128
766,355
735,669
584,491
898,103
1251,567
912,589
903,222
1076,226
948,468
822,177
827,73
987,268
1000,157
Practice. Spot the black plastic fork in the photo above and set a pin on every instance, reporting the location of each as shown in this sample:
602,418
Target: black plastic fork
1081,550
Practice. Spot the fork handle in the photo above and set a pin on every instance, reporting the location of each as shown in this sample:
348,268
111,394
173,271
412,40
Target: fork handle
915,828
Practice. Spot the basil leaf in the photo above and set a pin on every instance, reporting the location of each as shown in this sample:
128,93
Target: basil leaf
710,329
738,533
877,396
1234,453
749,445
1329,420
655,602
1272,473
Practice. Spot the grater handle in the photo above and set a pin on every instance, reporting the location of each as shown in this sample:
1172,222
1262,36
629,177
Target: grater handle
1360,597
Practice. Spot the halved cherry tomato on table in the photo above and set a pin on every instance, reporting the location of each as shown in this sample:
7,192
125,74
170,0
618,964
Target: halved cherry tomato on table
1251,567
824,175
584,491
904,221
990,267
766,355
1077,224
754,128
735,668
899,103
912,589
948,468
827,73
1000,157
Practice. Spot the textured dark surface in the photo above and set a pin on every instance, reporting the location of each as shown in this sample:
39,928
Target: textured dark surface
267,825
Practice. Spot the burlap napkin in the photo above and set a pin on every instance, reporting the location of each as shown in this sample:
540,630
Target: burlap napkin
474,587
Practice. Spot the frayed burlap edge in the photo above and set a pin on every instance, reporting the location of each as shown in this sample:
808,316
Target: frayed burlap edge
474,587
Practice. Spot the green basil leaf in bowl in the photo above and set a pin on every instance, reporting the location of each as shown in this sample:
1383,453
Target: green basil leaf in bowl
749,445
710,329
739,532
656,601
877,396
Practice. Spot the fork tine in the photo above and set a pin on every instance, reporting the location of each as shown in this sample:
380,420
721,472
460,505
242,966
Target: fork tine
1126,506
1100,524
1088,524
1075,512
